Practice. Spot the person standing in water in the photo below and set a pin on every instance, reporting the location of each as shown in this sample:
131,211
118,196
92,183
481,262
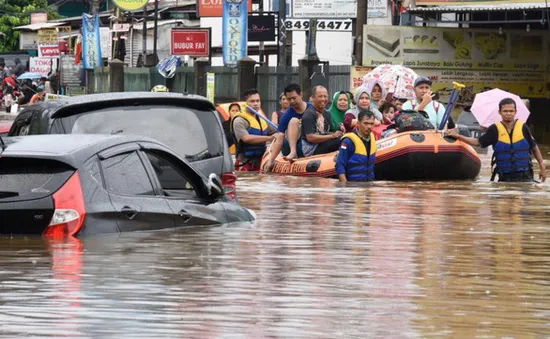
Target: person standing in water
512,144
341,103
355,161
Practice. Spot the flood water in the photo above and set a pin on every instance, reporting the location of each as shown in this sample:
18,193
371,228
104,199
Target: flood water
385,260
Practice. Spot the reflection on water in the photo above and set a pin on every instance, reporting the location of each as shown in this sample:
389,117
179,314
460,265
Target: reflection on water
390,260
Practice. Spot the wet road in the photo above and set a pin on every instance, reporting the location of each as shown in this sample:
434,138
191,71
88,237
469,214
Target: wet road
387,260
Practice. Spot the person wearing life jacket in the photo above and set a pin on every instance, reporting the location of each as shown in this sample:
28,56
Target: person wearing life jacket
355,161
424,102
251,133
512,143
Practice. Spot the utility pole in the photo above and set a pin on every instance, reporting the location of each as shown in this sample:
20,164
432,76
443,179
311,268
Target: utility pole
261,45
155,30
145,36
360,22
281,58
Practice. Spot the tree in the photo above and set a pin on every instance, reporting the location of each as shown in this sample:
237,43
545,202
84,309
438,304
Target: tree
15,13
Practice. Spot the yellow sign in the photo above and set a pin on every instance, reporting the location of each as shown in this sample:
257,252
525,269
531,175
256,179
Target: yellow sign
455,48
47,36
356,77
210,86
524,84
130,5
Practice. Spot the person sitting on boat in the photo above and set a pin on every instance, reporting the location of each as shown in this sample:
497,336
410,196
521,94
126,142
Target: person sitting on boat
388,122
341,103
355,161
424,102
276,115
377,97
512,143
251,134
363,103
289,125
317,137
398,103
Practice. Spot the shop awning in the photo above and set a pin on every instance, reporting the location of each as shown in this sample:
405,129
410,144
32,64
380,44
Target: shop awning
479,8
36,27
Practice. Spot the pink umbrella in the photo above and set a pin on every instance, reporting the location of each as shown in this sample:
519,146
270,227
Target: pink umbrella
485,107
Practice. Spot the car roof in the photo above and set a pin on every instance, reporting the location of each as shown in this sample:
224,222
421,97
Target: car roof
72,149
67,106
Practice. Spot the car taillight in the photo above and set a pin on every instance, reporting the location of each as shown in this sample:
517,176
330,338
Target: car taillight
228,182
69,210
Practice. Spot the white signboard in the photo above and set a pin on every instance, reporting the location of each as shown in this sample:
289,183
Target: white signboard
42,65
342,9
335,25
377,9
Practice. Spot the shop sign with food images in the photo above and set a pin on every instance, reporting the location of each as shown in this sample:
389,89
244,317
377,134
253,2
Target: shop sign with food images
481,58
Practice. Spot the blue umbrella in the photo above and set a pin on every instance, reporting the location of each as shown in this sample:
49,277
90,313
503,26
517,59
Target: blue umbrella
29,75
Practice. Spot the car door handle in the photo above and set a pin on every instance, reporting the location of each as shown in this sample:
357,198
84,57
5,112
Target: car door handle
129,212
184,215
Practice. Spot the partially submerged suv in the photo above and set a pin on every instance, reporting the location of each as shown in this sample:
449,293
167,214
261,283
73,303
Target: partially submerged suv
188,124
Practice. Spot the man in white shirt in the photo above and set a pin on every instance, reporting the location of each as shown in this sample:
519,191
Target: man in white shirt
424,102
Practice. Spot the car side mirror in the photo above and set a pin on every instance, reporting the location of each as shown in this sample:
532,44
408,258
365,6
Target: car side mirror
214,186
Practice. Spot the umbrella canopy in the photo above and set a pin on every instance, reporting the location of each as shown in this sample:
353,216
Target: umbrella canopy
485,107
396,79
30,75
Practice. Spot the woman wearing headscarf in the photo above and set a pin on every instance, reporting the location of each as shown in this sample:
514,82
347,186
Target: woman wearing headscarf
341,103
377,94
363,103
276,116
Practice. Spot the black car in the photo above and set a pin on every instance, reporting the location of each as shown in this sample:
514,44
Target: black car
188,124
74,185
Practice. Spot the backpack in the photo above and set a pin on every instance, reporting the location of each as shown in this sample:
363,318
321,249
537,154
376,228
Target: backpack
409,120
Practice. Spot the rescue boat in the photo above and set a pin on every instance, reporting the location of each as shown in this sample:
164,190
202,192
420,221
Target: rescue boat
414,155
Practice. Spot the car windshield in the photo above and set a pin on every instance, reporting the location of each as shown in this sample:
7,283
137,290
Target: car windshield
193,134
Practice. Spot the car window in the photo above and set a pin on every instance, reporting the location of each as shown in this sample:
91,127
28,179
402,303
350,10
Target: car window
191,133
171,176
125,175
27,178
92,166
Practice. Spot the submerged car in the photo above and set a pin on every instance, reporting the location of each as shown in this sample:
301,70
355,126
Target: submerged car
4,128
188,124
75,185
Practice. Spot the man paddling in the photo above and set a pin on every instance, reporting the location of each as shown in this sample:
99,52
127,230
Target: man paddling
512,144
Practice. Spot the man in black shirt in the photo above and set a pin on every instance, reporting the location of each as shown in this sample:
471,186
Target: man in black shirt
317,137
512,144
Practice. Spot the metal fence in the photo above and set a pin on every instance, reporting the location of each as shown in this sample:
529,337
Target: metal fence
270,81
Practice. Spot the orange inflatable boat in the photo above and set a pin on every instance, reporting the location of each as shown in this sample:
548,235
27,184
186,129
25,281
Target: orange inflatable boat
414,155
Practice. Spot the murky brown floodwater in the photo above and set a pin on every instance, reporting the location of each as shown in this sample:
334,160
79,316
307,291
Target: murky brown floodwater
388,260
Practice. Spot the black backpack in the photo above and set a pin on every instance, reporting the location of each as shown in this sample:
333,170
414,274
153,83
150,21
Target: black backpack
409,120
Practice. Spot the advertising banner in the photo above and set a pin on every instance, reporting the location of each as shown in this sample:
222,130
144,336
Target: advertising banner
91,47
356,76
454,48
192,42
42,65
214,8
473,2
524,84
329,9
210,86
48,51
261,27
234,31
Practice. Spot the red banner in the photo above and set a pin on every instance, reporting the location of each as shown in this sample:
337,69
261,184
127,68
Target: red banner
213,8
191,42
48,51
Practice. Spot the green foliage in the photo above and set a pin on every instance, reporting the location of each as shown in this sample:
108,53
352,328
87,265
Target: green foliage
15,13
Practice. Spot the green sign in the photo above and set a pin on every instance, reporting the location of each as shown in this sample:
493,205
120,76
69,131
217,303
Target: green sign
130,5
